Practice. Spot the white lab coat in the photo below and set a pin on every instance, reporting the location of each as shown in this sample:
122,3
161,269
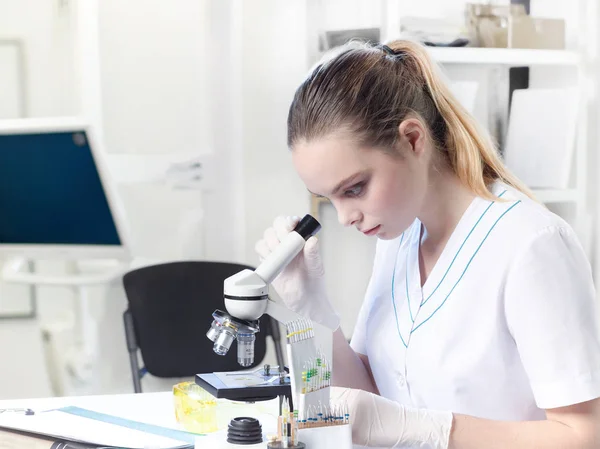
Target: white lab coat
506,324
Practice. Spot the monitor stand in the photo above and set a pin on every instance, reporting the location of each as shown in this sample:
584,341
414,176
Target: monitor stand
73,371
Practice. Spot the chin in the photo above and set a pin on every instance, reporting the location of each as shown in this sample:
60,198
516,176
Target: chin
386,235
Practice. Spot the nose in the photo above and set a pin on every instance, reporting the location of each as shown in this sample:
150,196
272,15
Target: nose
348,216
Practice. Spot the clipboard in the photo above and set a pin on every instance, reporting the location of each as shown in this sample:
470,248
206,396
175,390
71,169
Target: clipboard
87,429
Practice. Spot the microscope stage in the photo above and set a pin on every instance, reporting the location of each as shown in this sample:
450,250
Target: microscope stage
248,386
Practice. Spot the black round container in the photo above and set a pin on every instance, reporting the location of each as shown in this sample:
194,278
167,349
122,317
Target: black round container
244,430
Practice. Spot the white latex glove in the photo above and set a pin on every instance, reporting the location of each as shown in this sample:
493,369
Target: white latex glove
380,422
301,284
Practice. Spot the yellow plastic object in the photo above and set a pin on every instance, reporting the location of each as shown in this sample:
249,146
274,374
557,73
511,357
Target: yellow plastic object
195,408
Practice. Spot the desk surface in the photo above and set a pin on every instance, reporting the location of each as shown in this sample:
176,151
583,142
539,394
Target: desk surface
150,408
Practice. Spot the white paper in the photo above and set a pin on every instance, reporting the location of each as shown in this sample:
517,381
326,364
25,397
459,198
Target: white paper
541,136
66,426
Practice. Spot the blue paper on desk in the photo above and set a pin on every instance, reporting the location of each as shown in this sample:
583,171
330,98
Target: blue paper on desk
87,426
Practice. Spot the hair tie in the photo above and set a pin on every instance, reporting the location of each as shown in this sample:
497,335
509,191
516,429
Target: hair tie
388,51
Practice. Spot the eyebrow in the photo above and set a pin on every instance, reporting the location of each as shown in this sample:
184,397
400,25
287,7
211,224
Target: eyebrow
344,182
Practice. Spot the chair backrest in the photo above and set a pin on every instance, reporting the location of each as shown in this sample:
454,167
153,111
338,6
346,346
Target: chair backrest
172,305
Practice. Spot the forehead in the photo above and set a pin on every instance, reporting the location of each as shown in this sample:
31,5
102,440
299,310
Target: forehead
327,149
322,163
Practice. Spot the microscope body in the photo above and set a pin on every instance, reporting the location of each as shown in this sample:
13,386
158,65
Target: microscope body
247,296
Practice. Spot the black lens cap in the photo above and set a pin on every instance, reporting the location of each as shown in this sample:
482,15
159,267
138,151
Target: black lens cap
244,430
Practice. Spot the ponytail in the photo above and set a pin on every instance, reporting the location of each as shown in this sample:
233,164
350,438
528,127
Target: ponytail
471,153
371,90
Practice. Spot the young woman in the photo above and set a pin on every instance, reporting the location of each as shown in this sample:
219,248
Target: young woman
479,328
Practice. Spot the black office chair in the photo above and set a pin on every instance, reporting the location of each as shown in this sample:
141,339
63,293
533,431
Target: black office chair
170,310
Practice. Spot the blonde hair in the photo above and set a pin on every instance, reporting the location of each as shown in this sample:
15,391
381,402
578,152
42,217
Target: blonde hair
369,90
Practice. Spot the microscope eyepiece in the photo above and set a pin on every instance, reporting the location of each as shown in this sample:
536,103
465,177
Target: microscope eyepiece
307,227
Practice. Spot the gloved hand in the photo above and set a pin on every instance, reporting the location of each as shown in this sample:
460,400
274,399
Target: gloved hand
301,284
380,422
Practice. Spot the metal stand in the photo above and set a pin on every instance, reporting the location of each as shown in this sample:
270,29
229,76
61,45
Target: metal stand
132,348
32,313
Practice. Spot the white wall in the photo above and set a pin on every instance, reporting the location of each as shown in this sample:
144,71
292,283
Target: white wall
274,63
153,57
46,30
156,100
227,227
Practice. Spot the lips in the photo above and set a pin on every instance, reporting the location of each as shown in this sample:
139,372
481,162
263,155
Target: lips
372,231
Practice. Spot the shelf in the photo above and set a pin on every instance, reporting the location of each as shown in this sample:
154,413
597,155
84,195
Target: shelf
504,56
556,195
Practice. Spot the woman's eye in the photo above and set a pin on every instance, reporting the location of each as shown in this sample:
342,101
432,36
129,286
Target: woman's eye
355,191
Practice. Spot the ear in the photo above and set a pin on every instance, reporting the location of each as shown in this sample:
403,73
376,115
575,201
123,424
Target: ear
412,131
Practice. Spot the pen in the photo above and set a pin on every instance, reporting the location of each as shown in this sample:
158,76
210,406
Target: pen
25,411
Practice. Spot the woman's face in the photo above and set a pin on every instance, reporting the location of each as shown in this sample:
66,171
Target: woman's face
378,193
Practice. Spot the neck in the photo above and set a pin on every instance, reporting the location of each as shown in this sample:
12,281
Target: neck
446,201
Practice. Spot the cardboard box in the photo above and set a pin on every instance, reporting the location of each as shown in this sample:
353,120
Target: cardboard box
533,32
508,26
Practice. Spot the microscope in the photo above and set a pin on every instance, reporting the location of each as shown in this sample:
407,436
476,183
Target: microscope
247,297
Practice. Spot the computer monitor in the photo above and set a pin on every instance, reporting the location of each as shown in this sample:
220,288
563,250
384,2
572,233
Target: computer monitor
55,197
